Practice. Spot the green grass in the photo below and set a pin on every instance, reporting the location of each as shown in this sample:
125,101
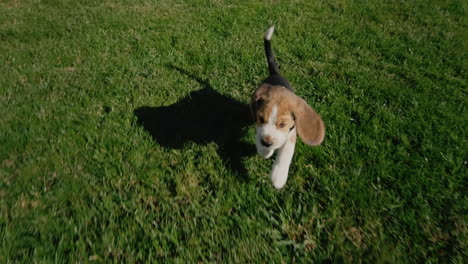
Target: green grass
81,180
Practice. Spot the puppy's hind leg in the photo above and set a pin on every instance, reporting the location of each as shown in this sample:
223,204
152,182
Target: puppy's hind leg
279,173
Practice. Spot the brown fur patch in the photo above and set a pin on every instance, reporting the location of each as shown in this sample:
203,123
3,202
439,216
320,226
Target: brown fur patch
292,110
310,126
263,101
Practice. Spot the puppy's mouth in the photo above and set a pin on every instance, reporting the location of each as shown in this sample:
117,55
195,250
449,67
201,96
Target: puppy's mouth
265,150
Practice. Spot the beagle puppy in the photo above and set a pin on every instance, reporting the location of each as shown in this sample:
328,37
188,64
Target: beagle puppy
279,116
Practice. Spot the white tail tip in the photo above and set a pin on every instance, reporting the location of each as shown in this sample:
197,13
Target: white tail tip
269,33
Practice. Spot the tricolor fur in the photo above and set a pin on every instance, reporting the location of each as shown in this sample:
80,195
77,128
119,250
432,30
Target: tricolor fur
279,115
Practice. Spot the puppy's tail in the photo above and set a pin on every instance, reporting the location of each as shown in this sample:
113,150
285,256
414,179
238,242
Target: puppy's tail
272,66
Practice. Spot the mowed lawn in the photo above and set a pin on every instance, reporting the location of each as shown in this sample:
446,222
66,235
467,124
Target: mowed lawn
125,135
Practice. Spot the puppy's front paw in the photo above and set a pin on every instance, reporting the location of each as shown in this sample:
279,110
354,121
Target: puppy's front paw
279,176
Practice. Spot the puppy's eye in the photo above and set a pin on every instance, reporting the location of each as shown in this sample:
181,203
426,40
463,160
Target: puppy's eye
282,125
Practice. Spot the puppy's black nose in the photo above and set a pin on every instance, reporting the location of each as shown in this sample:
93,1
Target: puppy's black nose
266,143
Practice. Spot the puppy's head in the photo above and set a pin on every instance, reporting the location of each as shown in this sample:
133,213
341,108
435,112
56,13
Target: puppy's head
277,112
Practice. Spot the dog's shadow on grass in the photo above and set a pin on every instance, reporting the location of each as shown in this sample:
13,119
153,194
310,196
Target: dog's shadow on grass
202,117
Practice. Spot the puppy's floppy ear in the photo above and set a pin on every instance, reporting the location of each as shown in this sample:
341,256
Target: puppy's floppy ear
310,126
256,99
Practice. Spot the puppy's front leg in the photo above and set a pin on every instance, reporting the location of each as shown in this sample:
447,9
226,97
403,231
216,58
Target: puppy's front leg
279,174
